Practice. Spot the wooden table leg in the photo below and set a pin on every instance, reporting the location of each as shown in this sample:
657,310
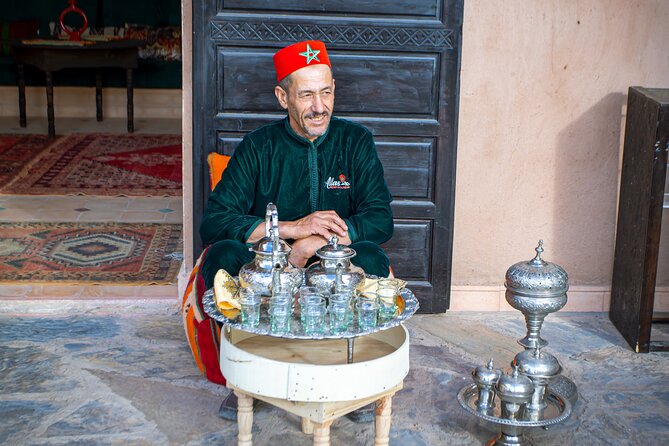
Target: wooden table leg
131,106
21,74
244,419
98,96
49,104
382,422
307,426
322,433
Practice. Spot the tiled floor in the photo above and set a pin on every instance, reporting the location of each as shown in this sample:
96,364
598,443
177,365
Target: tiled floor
121,373
89,209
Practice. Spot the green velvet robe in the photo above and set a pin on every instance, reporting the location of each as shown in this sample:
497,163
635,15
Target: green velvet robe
338,171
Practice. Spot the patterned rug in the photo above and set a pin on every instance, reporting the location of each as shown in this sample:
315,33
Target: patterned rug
75,253
16,152
103,165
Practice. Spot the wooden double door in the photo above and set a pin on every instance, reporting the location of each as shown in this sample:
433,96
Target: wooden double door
396,64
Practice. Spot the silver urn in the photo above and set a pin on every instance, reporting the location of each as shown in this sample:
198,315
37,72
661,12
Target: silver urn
270,269
542,368
536,288
515,392
334,268
486,378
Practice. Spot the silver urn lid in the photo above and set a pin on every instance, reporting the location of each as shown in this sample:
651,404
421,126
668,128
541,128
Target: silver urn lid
537,364
486,375
536,277
515,387
334,251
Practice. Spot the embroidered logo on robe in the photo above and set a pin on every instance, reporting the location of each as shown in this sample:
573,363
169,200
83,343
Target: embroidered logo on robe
339,183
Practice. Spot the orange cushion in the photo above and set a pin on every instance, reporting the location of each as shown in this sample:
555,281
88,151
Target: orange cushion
217,164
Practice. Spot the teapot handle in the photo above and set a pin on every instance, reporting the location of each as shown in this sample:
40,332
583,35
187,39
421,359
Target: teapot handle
271,221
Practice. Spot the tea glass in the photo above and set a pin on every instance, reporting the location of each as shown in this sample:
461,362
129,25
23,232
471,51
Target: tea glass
280,313
345,288
309,296
313,316
387,291
250,303
367,313
340,312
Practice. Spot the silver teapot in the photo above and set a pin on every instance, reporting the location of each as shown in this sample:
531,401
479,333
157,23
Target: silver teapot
335,268
541,368
515,392
536,288
270,269
486,378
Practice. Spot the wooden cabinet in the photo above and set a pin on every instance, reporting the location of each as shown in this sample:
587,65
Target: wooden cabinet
640,216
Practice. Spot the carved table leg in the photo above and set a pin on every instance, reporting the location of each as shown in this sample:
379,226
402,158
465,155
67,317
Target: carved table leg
21,74
98,96
322,433
49,104
244,419
307,426
382,422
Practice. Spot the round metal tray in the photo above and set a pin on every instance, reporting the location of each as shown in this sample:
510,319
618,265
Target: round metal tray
558,409
410,307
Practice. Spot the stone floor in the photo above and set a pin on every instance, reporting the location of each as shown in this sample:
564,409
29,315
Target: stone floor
120,373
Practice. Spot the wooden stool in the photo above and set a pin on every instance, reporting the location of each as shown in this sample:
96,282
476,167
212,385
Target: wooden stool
312,379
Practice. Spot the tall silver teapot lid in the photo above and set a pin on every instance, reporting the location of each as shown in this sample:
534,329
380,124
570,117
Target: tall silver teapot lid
486,375
333,250
271,243
536,277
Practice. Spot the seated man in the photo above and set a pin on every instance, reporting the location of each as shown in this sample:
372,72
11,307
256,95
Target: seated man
322,173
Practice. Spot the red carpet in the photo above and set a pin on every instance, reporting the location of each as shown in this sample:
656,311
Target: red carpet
104,165
16,152
76,253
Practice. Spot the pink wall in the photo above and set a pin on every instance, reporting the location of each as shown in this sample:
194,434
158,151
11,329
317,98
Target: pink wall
542,109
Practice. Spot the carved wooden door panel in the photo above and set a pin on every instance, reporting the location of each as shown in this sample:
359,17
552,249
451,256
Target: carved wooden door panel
396,64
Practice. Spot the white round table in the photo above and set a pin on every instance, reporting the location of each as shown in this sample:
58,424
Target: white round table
313,379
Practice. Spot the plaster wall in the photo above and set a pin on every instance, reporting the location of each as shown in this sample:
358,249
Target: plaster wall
542,109
79,102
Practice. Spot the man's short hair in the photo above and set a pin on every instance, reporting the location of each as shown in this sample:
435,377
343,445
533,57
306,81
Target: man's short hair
285,83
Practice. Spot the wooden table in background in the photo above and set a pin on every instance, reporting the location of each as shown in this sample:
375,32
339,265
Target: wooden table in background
50,57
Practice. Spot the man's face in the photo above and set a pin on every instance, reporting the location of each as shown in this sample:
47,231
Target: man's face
309,100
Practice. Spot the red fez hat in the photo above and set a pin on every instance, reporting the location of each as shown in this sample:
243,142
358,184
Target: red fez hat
299,55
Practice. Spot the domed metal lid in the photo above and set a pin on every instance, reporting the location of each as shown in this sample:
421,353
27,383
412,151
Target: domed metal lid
537,278
486,375
514,385
270,245
537,364
333,250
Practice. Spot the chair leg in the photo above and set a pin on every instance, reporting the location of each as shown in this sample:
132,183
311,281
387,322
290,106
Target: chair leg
244,419
322,433
382,422
307,426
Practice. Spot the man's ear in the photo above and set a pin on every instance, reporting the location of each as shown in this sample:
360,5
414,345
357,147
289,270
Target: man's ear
281,96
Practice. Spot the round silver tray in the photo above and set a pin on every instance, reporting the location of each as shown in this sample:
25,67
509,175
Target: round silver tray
558,409
410,307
